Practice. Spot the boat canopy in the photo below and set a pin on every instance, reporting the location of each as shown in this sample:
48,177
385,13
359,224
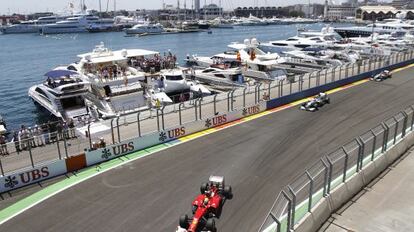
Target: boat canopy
60,73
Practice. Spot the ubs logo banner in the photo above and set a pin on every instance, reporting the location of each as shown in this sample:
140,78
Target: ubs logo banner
32,176
171,134
215,121
117,150
251,110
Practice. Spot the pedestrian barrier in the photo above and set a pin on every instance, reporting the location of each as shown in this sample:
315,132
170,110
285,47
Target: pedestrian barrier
143,129
306,203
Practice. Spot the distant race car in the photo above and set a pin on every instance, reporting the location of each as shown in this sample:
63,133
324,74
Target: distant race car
382,76
206,206
318,101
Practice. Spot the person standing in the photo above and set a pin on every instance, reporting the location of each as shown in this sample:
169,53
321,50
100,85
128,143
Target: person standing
71,126
3,145
16,142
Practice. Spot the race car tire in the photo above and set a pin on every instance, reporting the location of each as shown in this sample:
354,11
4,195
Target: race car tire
203,188
211,225
328,101
228,192
184,221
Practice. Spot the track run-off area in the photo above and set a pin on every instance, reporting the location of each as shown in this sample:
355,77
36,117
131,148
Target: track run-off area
150,189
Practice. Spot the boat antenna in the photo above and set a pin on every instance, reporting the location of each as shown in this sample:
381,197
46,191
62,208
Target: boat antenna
100,8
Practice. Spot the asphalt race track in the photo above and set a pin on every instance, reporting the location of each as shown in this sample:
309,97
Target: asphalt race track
257,158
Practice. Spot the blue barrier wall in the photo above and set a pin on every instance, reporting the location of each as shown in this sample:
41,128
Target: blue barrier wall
276,102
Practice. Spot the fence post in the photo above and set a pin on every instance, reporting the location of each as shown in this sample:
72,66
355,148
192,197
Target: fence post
228,100
112,133
412,118
289,209
66,145
1,168
182,104
340,72
199,107
158,119
139,123
231,103
309,80
281,88
330,174
244,97
385,142
195,108
310,191
214,104
361,151
373,145
325,179
118,131
404,123
30,152
162,117
345,164
326,75
396,129
293,207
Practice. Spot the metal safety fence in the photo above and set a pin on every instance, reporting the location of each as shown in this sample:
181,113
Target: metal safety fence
137,124
319,180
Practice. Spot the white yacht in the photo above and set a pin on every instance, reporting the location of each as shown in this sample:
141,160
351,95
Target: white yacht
388,27
62,94
173,83
299,42
115,79
239,53
149,28
103,25
31,26
74,24
122,81
221,78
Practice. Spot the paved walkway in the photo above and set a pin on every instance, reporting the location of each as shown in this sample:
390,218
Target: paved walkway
385,205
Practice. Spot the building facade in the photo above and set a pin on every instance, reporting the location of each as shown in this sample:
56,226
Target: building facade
336,12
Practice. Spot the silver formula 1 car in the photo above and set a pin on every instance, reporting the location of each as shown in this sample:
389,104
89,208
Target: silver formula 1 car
318,101
381,76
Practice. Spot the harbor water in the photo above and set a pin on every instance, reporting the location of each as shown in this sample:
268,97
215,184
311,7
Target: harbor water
25,58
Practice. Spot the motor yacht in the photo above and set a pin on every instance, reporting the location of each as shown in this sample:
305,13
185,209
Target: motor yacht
75,24
388,27
62,94
238,53
221,78
31,26
149,28
299,42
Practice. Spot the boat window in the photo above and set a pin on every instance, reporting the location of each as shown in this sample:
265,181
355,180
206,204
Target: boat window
174,78
207,70
279,44
219,75
292,39
40,91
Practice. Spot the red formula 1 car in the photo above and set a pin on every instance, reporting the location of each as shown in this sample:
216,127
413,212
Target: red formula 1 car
206,206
